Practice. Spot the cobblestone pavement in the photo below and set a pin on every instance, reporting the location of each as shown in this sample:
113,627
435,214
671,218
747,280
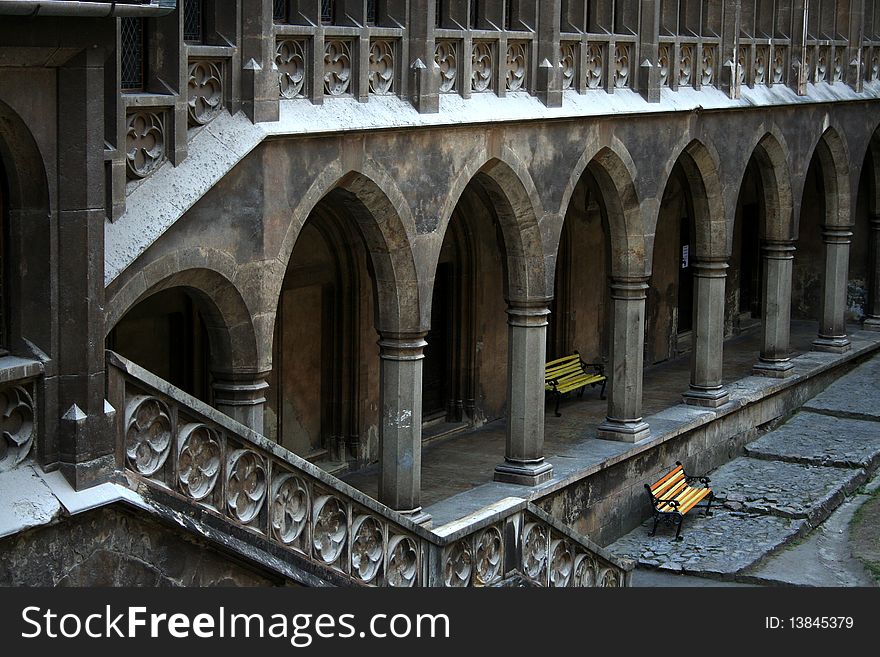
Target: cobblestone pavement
790,490
822,440
722,544
792,479
855,395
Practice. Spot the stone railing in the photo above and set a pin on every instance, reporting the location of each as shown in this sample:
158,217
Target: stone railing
172,444
19,411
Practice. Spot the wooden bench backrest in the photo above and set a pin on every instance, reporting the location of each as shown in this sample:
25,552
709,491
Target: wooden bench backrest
670,482
562,366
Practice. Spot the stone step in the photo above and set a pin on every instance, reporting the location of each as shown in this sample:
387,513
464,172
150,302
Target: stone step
721,545
780,488
763,505
814,439
854,395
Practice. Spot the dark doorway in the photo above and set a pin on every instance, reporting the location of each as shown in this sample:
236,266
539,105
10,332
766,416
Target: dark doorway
166,335
750,263
685,277
436,367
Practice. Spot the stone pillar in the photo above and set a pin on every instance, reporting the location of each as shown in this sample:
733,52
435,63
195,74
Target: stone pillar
624,420
242,397
86,435
707,356
776,310
400,432
649,39
832,323
526,356
872,311
549,84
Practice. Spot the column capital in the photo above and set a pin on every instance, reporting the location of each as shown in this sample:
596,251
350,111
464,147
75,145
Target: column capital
528,312
710,267
778,249
629,288
836,234
402,346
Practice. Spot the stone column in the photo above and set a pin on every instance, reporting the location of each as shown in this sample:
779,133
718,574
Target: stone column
776,310
872,311
242,397
86,430
706,360
400,432
526,351
624,420
832,323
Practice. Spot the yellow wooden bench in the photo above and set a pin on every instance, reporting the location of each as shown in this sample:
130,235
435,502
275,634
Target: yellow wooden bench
672,496
569,373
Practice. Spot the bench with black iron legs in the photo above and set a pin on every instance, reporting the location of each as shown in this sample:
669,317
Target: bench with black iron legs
672,496
571,373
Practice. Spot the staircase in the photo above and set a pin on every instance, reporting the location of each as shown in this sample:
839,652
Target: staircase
233,487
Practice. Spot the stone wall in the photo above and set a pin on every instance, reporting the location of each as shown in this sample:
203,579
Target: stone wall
111,547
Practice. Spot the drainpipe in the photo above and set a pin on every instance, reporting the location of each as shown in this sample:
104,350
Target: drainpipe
86,9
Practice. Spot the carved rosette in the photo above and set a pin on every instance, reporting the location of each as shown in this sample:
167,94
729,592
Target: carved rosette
837,67
778,76
458,564
568,57
742,65
204,91
584,572
198,460
822,65
290,58
144,142
403,562
367,548
488,557
290,508
245,484
381,66
707,70
330,528
147,434
534,551
481,60
337,67
17,423
610,578
561,563
663,60
445,56
685,65
517,56
595,66
761,57
621,65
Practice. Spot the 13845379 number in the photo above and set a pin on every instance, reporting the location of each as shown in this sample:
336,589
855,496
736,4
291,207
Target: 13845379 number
821,622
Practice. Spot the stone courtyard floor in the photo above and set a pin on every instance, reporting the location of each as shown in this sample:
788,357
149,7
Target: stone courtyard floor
467,460
786,506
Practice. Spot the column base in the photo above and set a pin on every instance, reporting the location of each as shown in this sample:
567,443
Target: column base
627,432
706,398
775,369
418,516
871,324
832,345
523,474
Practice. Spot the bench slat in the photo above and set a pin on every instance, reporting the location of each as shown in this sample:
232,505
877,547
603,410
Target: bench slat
670,484
669,474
